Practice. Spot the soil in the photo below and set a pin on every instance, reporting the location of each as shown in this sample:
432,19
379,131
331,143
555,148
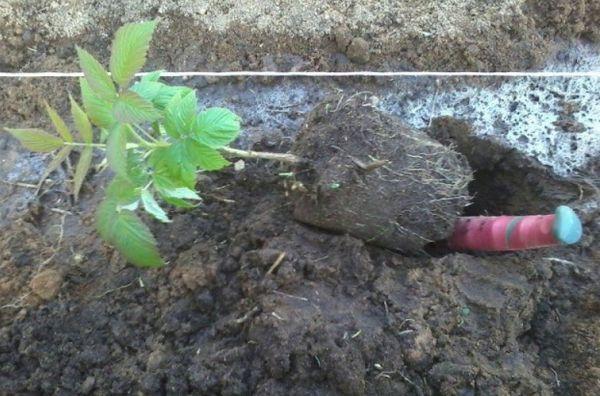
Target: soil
314,34
336,315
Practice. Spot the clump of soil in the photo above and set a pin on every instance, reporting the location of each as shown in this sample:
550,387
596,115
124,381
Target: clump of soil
375,178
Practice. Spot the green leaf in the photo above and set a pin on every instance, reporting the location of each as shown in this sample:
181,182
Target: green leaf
116,151
96,76
105,219
36,139
82,168
59,124
147,89
55,163
205,157
181,193
152,77
82,123
179,203
98,110
173,163
129,50
152,207
165,182
216,127
122,191
166,93
131,206
137,172
128,234
180,114
132,108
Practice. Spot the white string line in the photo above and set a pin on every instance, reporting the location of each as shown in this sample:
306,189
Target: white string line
540,74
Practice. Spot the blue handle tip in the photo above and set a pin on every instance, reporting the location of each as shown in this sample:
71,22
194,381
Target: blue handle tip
567,227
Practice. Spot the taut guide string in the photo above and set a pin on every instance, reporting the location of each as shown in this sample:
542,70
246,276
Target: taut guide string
534,74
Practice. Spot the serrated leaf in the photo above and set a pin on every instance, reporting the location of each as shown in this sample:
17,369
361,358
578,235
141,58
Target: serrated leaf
129,50
59,124
147,89
105,219
137,172
122,191
55,163
36,139
98,110
216,127
205,157
132,238
152,207
81,170
179,203
130,206
132,108
97,78
173,163
164,183
180,114
152,76
116,151
167,92
82,123
181,193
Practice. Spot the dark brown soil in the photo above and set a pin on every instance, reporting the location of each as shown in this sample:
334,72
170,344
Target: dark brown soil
336,316
373,177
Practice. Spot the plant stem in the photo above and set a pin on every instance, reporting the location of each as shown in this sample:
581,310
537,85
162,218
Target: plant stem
97,145
140,139
145,133
281,157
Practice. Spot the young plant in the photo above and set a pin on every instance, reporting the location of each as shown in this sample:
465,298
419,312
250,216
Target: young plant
153,137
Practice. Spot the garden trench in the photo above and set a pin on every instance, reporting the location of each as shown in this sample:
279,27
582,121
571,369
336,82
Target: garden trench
336,316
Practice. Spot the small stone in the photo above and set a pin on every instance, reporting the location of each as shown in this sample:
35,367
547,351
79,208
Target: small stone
155,360
358,51
46,284
88,385
239,166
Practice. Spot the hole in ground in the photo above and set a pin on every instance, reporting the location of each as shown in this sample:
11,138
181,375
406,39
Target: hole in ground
505,182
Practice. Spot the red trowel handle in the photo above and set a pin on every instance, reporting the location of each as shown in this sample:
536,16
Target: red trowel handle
506,233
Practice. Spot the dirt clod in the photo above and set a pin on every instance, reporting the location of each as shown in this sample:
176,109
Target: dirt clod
358,51
377,179
46,284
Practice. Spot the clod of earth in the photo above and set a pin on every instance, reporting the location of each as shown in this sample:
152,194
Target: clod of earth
46,284
374,178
